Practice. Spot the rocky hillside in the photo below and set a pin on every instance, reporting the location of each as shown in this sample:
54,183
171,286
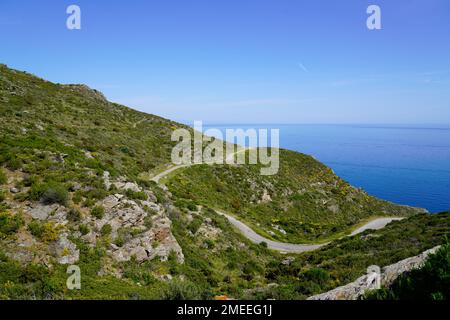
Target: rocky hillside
75,188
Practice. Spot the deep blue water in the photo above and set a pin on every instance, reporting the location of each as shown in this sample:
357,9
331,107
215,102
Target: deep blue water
404,164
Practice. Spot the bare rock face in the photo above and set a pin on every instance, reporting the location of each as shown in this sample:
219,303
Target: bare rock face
139,229
351,291
41,212
22,255
122,213
279,229
128,186
156,242
54,212
87,92
64,250
392,272
265,198
288,261
373,279
106,180
208,231
150,243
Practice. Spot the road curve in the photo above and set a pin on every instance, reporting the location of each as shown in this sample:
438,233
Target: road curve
375,224
161,175
298,248
279,246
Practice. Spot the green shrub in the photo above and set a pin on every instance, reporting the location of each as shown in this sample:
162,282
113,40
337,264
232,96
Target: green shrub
98,212
36,228
74,215
55,193
184,203
317,276
9,224
181,290
77,197
28,181
120,241
148,222
192,207
3,178
195,224
44,231
84,229
150,211
251,267
14,164
97,193
136,195
36,191
137,274
49,193
145,183
89,203
106,230
2,195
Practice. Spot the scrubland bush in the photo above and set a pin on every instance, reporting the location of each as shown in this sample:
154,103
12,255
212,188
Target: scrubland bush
98,212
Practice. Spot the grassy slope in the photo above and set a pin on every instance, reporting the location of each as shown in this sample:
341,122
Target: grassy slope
37,114
309,201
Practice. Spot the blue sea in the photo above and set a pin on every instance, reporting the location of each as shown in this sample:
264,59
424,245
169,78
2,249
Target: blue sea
404,164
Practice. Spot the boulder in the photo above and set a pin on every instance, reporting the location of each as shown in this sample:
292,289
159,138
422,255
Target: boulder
14,190
41,212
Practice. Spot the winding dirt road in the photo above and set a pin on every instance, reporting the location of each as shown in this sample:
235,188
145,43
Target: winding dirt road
298,248
375,224
161,175
274,245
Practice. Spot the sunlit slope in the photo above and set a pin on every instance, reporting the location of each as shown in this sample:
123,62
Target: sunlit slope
304,201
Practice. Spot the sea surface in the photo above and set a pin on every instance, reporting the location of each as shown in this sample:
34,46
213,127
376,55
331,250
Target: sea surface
405,164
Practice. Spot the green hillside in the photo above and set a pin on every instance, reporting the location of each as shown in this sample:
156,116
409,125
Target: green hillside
73,119
304,202
75,189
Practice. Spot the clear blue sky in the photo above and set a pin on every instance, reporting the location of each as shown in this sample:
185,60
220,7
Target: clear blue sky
244,61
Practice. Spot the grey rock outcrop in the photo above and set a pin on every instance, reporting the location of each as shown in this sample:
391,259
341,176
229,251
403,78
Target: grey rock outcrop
355,290
149,243
41,212
156,242
64,250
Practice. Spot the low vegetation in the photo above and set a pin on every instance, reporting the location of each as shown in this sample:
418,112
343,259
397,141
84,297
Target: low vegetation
45,231
9,224
230,265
